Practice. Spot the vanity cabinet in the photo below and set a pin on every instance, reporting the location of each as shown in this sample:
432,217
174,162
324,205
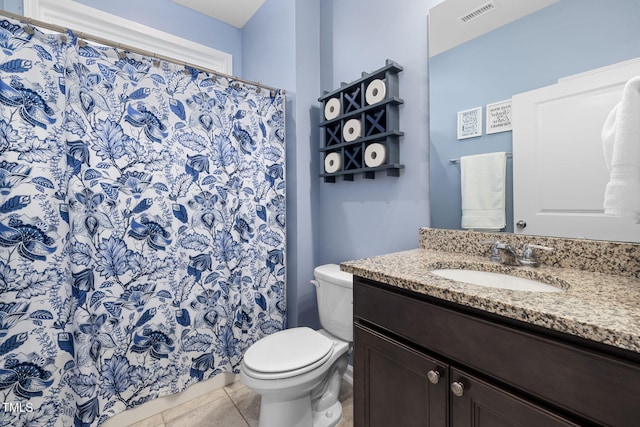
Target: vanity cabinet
491,371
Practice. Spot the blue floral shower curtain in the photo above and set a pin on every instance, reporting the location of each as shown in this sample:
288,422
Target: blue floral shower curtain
141,227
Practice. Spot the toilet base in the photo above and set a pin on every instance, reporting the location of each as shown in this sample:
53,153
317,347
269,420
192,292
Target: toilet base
276,412
297,413
329,417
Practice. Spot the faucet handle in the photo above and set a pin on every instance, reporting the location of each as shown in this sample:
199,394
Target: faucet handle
495,253
529,256
532,246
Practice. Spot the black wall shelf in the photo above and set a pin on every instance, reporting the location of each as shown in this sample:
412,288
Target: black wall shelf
357,116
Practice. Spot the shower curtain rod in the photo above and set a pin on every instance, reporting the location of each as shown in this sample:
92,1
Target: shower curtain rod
60,29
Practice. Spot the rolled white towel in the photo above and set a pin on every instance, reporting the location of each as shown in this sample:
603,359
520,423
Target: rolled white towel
621,146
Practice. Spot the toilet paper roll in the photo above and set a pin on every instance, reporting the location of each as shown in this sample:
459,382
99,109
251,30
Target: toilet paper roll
332,162
375,155
352,130
332,109
376,91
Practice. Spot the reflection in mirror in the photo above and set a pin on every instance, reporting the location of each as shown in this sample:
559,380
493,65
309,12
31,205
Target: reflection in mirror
566,38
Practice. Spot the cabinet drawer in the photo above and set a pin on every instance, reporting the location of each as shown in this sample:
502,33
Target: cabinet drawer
593,385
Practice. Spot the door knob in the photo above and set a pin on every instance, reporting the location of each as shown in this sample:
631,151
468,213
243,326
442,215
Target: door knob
433,376
457,388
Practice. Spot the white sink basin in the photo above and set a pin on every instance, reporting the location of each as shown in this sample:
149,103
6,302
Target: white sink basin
495,280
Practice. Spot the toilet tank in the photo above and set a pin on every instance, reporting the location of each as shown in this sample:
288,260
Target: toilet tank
334,291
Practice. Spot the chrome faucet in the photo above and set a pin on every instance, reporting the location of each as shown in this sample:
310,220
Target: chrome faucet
529,255
504,253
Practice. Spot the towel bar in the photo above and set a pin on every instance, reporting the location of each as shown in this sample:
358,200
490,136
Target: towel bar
454,161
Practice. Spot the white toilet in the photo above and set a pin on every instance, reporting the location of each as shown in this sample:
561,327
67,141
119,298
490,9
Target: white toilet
298,371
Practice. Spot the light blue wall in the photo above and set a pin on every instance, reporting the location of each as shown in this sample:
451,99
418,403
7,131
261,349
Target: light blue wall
313,45
280,46
13,6
268,44
568,37
368,217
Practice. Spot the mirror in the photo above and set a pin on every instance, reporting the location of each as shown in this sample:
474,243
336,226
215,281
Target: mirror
562,39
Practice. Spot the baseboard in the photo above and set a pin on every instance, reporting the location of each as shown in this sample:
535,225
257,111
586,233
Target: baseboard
348,375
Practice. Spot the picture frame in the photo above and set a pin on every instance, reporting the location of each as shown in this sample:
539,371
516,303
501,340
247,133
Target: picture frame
498,117
470,123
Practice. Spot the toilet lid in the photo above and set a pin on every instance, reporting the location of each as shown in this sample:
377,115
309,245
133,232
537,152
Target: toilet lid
288,350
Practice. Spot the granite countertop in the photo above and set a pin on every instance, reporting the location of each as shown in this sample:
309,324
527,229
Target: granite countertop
598,306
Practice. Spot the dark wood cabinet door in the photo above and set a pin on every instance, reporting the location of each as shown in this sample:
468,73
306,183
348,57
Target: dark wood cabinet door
484,405
392,385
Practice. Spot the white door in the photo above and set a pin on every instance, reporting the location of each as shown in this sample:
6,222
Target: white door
559,172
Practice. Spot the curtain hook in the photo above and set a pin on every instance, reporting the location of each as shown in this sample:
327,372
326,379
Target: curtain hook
82,43
156,61
122,54
29,29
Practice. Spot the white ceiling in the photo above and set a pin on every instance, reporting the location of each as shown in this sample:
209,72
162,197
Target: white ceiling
233,12
446,30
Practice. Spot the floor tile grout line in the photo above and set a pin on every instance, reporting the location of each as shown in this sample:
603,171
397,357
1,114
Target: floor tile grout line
237,408
164,422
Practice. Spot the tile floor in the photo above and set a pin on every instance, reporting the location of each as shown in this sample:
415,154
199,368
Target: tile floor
231,406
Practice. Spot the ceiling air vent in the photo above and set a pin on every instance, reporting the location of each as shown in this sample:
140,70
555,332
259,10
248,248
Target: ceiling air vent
478,12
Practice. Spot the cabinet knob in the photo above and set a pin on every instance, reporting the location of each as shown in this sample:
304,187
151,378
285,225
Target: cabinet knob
433,376
521,224
457,388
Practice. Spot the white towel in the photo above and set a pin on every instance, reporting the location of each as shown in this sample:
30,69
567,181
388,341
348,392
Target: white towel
482,179
621,145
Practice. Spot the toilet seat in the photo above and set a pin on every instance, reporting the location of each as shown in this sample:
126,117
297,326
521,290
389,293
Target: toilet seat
288,353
